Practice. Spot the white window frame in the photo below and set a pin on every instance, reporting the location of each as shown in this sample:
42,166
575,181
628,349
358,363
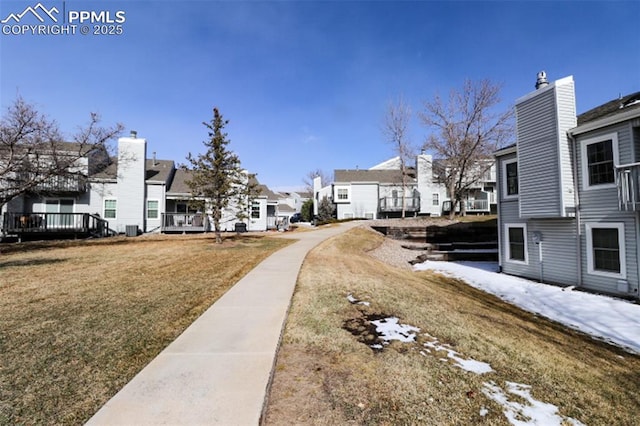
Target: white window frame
157,210
115,210
505,194
255,208
337,193
435,199
508,258
613,137
621,249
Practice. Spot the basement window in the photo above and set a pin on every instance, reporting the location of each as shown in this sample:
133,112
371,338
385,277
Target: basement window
516,248
606,249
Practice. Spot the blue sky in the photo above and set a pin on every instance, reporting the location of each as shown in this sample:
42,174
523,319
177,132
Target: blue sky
305,84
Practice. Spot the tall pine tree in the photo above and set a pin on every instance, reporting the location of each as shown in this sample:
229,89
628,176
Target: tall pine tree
216,175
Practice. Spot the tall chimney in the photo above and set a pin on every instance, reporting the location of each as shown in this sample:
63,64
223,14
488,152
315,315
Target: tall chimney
542,80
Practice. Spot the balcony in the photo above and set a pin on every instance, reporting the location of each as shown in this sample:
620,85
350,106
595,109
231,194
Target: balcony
63,185
627,180
394,204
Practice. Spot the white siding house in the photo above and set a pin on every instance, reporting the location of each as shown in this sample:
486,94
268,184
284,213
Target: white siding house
132,191
568,191
378,192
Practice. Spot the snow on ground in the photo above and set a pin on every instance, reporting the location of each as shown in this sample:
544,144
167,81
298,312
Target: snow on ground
530,412
613,320
533,412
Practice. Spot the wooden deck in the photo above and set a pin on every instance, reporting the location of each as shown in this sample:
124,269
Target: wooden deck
54,225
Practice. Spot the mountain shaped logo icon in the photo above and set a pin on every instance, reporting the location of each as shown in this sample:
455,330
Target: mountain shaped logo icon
38,11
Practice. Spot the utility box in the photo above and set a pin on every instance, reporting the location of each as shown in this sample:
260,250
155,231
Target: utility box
131,231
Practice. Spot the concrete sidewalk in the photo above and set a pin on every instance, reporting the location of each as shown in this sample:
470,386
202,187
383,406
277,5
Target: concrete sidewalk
217,371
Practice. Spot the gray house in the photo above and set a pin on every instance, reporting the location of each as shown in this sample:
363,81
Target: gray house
569,191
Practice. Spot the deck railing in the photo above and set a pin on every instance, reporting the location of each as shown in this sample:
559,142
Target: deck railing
62,223
394,204
471,206
627,180
63,184
184,222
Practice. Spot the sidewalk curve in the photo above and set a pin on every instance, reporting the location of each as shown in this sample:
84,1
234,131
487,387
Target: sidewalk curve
217,371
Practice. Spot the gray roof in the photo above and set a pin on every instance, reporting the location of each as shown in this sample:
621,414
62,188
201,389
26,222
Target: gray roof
109,172
379,176
610,108
159,170
179,183
264,191
156,171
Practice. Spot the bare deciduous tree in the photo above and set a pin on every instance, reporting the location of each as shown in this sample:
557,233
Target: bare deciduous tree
35,156
466,130
395,130
308,179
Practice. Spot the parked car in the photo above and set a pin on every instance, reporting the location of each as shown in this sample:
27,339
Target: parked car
297,217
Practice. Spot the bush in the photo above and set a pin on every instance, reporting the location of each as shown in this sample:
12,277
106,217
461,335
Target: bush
325,210
307,210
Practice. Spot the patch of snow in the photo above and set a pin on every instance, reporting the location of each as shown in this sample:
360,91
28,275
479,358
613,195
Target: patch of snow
391,329
470,365
532,412
483,412
613,320
355,301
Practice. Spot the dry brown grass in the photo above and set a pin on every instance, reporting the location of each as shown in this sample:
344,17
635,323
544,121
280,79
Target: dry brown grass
80,319
325,376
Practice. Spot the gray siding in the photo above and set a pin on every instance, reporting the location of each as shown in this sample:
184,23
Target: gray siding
559,265
610,284
600,202
566,120
600,205
545,172
538,156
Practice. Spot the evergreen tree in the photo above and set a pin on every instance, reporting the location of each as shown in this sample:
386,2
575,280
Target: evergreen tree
216,175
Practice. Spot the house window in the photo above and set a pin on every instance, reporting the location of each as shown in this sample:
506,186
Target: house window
343,194
510,178
516,236
605,249
436,199
599,157
152,209
109,209
255,210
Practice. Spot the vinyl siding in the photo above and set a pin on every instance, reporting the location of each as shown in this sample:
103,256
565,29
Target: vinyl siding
543,151
610,284
601,202
601,206
155,192
364,199
131,183
566,120
538,156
